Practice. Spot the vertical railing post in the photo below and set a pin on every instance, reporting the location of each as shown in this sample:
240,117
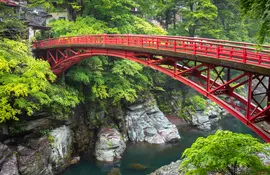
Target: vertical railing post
128,40
174,45
218,50
260,60
244,54
249,96
104,38
157,43
194,48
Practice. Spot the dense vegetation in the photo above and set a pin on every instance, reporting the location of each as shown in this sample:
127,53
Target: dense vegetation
106,80
225,152
26,85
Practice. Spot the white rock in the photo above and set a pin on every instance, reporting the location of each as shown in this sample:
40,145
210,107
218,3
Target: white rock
61,144
147,123
109,146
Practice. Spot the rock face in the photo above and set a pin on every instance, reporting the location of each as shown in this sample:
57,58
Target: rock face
171,169
44,155
264,157
109,146
10,166
147,123
207,118
8,161
61,144
35,161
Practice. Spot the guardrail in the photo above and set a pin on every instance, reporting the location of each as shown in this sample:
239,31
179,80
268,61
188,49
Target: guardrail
220,49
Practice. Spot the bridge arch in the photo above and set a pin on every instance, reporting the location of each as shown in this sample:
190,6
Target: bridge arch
190,61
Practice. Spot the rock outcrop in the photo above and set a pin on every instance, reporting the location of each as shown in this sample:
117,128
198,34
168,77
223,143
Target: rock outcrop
171,169
35,160
146,123
206,119
45,155
109,146
61,145
10,167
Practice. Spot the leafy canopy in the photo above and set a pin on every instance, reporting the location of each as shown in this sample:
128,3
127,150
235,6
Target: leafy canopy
222,152
90,25
197,19
25,84
258,9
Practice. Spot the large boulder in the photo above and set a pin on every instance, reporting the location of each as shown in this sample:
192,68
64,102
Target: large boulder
61,144
171,169
109,146
146,123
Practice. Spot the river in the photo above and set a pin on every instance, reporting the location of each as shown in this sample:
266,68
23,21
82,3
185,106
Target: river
154,156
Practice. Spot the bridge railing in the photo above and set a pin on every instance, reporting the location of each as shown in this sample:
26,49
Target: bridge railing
220,49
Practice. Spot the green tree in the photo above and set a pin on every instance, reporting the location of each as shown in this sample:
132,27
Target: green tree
115,13
197,19
223,152
25,84
258,9
233,25
90,25
166,11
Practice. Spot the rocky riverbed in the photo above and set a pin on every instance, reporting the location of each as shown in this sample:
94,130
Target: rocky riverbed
48,146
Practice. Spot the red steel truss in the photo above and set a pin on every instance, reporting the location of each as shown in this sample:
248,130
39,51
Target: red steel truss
234,75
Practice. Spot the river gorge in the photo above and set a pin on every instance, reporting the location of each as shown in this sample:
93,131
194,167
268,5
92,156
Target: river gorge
151,156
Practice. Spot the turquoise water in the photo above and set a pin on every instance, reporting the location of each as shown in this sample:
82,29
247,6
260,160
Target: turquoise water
153,156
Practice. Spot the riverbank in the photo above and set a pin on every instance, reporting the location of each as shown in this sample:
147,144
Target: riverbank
153,156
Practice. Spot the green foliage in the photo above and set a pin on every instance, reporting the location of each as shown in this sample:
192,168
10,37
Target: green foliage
122,79
82,26
140,26
222,152
50,138
198,19
116,12
90,25
192,102
233,25
25,85
258,9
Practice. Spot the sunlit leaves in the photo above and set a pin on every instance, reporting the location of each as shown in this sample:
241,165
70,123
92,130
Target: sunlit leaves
221,152
24,83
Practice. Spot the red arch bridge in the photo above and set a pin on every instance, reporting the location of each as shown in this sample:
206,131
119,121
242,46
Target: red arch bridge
234,75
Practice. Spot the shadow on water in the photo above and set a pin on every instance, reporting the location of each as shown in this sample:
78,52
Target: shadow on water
154,156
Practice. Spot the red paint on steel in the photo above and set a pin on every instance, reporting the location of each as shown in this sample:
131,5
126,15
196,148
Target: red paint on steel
64,52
